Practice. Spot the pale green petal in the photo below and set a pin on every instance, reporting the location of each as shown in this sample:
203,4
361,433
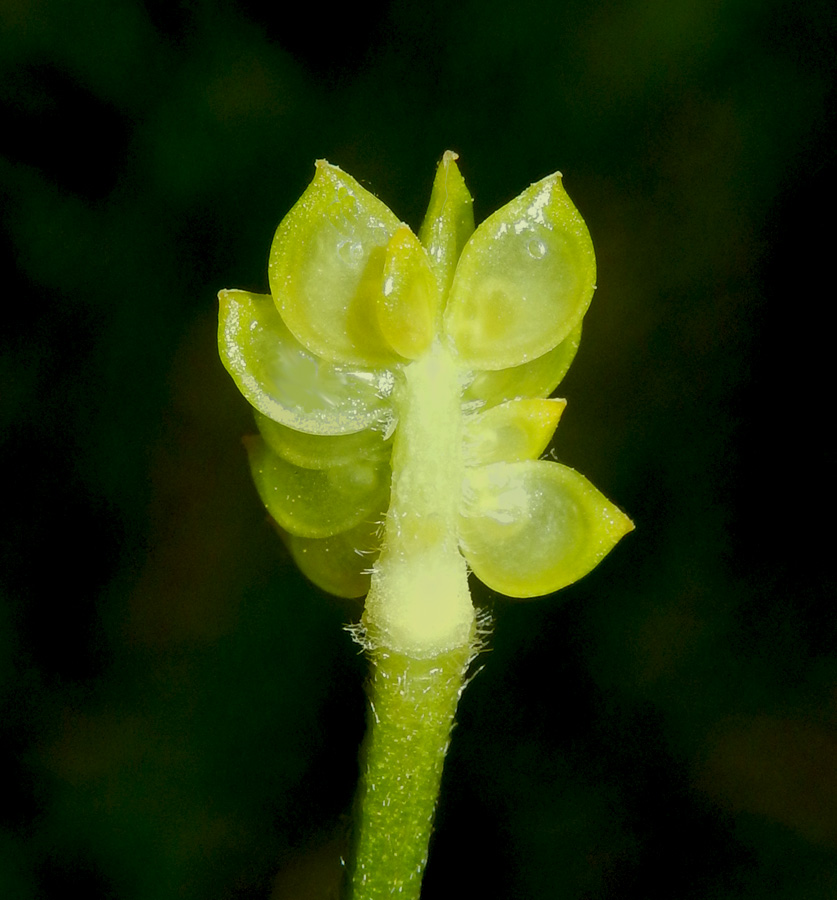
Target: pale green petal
530,528
524,281
281,379
511,432
409,303
326,269
449,221
317,503
537,378
323,451
339,564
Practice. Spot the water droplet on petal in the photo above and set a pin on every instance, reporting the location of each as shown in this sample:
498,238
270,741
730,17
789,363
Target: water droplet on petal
350,252
343,211
536,248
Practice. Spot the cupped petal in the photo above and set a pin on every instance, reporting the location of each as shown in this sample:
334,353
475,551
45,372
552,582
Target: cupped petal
326,269
530,528
523,282
537,378
323,451
511,432
449,220
408,305
286,382
317,503
341,564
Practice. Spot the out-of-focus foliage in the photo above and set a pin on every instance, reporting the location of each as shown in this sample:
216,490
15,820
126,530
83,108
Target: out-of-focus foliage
180,711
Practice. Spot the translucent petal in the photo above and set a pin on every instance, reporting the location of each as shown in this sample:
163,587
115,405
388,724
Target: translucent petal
530,528
449,221
316,503
278,376
339,564
510,432
524,281
326,269
322,451
537,378
408,306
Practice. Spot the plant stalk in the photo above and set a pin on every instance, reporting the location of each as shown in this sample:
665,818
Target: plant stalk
411,709
419,627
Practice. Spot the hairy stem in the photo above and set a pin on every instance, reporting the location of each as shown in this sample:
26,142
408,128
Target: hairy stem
412,704
419,626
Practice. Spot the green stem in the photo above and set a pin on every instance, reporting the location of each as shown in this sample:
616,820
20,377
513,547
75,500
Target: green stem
419,626
412,705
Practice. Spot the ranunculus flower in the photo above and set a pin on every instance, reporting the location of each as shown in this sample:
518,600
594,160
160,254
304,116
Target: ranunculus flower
366,327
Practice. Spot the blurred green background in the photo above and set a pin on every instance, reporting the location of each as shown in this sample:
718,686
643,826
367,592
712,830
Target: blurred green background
179,710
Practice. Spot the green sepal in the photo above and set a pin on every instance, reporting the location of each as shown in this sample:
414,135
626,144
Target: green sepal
326,269
523,282
317,503
449,221
323,451
537,378
511,432
341,564
530,528
288,384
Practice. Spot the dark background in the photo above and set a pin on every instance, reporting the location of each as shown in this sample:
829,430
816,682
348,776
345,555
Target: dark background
179,710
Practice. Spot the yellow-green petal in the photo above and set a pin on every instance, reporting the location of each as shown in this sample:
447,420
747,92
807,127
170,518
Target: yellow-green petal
323,451
316,503
511,432
537,378
530,528
283,380
524,280
326,269
340,564
449,221
408,306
